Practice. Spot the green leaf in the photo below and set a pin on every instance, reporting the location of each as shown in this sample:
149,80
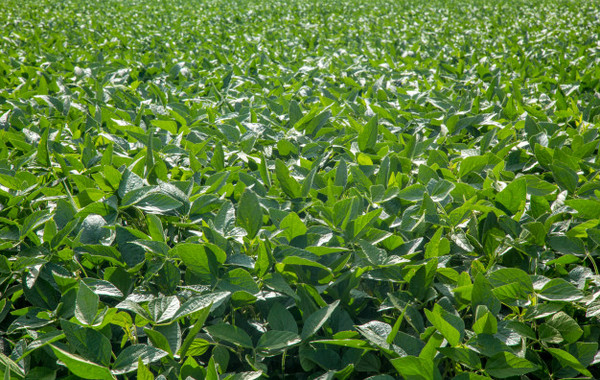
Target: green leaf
558,289
414,368
449,325
470,376
300,124
42,341
39,292
34,221
143,373
463,355
485,323
81,367
286,148
239,279
568,360
566,245
211,370
482,294
172,332
92,230
163,309
249,213
538,187
513,197
10,368
131,253
131,356
129,182
265,175
198,347
472,164
289,185
86,306
377,333
504,365
359,226
201,259
43,157
438,245
549,334
351,343
158,203
218,158
231,334
198,323
586,208
567,326
412,193
375,256
441,190
506,276
292,226
295,113
367,138
281,319
317,319
225,218
345,211
396,327
275,340
308,182
158,340
197,303
341,173
167,125
155,228
89,343
297,260
565,177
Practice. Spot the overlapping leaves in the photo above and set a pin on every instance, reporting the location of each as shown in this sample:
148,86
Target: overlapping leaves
342,189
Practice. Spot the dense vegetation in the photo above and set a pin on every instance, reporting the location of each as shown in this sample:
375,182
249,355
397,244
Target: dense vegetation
335,190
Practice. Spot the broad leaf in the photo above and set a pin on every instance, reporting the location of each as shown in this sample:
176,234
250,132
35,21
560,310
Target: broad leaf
81,367
249,213
316,320
86,306
505,364
231,334
131,356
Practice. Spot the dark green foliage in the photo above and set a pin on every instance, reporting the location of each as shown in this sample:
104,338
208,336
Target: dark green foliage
310,189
